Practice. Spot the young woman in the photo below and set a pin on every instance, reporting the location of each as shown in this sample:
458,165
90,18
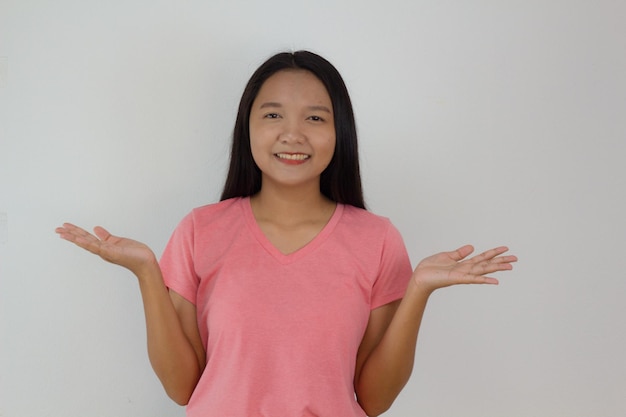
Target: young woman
287,298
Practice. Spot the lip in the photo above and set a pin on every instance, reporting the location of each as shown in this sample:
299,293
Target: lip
292,158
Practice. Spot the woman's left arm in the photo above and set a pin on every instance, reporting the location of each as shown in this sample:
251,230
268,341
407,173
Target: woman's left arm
387,352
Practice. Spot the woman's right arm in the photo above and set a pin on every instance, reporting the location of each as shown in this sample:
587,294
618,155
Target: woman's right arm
174,345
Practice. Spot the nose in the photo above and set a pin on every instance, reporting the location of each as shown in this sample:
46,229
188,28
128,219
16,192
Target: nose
292,133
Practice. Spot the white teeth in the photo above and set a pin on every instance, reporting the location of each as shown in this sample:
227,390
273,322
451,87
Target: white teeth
293,157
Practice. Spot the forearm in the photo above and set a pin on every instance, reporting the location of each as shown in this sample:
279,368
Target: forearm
389,366
171,354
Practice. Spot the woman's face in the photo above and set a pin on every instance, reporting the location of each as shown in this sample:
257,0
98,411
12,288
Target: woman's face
292,129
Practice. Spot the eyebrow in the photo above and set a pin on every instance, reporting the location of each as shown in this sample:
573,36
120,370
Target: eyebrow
272,104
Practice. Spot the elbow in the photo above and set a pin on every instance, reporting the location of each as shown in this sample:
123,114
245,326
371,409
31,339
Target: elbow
180,401
180,392
180,387
374,409
378,398
374,404
180,397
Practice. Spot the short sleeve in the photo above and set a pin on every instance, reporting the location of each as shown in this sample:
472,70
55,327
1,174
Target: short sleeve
177,261
395,270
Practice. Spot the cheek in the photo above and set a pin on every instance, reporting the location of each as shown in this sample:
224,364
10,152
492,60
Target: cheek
258,139
331,146
257,155
329,152
255,148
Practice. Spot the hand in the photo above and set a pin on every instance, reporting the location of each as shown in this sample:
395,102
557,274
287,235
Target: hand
451,268
128,253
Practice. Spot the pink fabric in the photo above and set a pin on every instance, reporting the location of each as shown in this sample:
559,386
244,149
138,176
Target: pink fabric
281,332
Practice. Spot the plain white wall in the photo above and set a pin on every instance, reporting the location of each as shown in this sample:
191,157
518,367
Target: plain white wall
484,122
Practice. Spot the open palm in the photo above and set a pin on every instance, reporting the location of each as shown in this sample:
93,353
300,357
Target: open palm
451,268
121,251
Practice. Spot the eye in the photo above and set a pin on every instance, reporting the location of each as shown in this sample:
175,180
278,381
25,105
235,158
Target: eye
271,116
316,118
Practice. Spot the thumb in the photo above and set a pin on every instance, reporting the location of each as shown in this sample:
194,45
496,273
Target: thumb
461,253
102,233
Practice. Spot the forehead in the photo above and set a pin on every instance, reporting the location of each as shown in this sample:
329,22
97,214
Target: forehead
294,85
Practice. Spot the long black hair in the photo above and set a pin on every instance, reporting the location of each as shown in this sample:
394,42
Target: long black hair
341,180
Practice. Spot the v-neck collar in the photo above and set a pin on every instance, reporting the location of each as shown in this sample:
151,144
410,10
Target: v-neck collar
298,254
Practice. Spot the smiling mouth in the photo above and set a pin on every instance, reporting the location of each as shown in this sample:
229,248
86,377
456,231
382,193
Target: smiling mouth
293,156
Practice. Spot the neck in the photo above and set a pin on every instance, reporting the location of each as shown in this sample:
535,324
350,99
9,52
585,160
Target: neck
291,205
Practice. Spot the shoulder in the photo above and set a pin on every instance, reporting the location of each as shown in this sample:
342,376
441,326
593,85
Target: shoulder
359,218
211,217
225,208
367,228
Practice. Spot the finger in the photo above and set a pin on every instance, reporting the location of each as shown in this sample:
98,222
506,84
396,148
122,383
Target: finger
65,228
70,232
500,263
480,279
79,237
102,233
489,254
492,265
490,281
461,253
489,267
505,259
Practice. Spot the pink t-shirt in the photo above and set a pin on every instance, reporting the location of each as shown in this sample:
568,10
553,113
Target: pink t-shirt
281,332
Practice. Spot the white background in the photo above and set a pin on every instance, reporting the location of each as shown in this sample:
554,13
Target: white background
484,122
